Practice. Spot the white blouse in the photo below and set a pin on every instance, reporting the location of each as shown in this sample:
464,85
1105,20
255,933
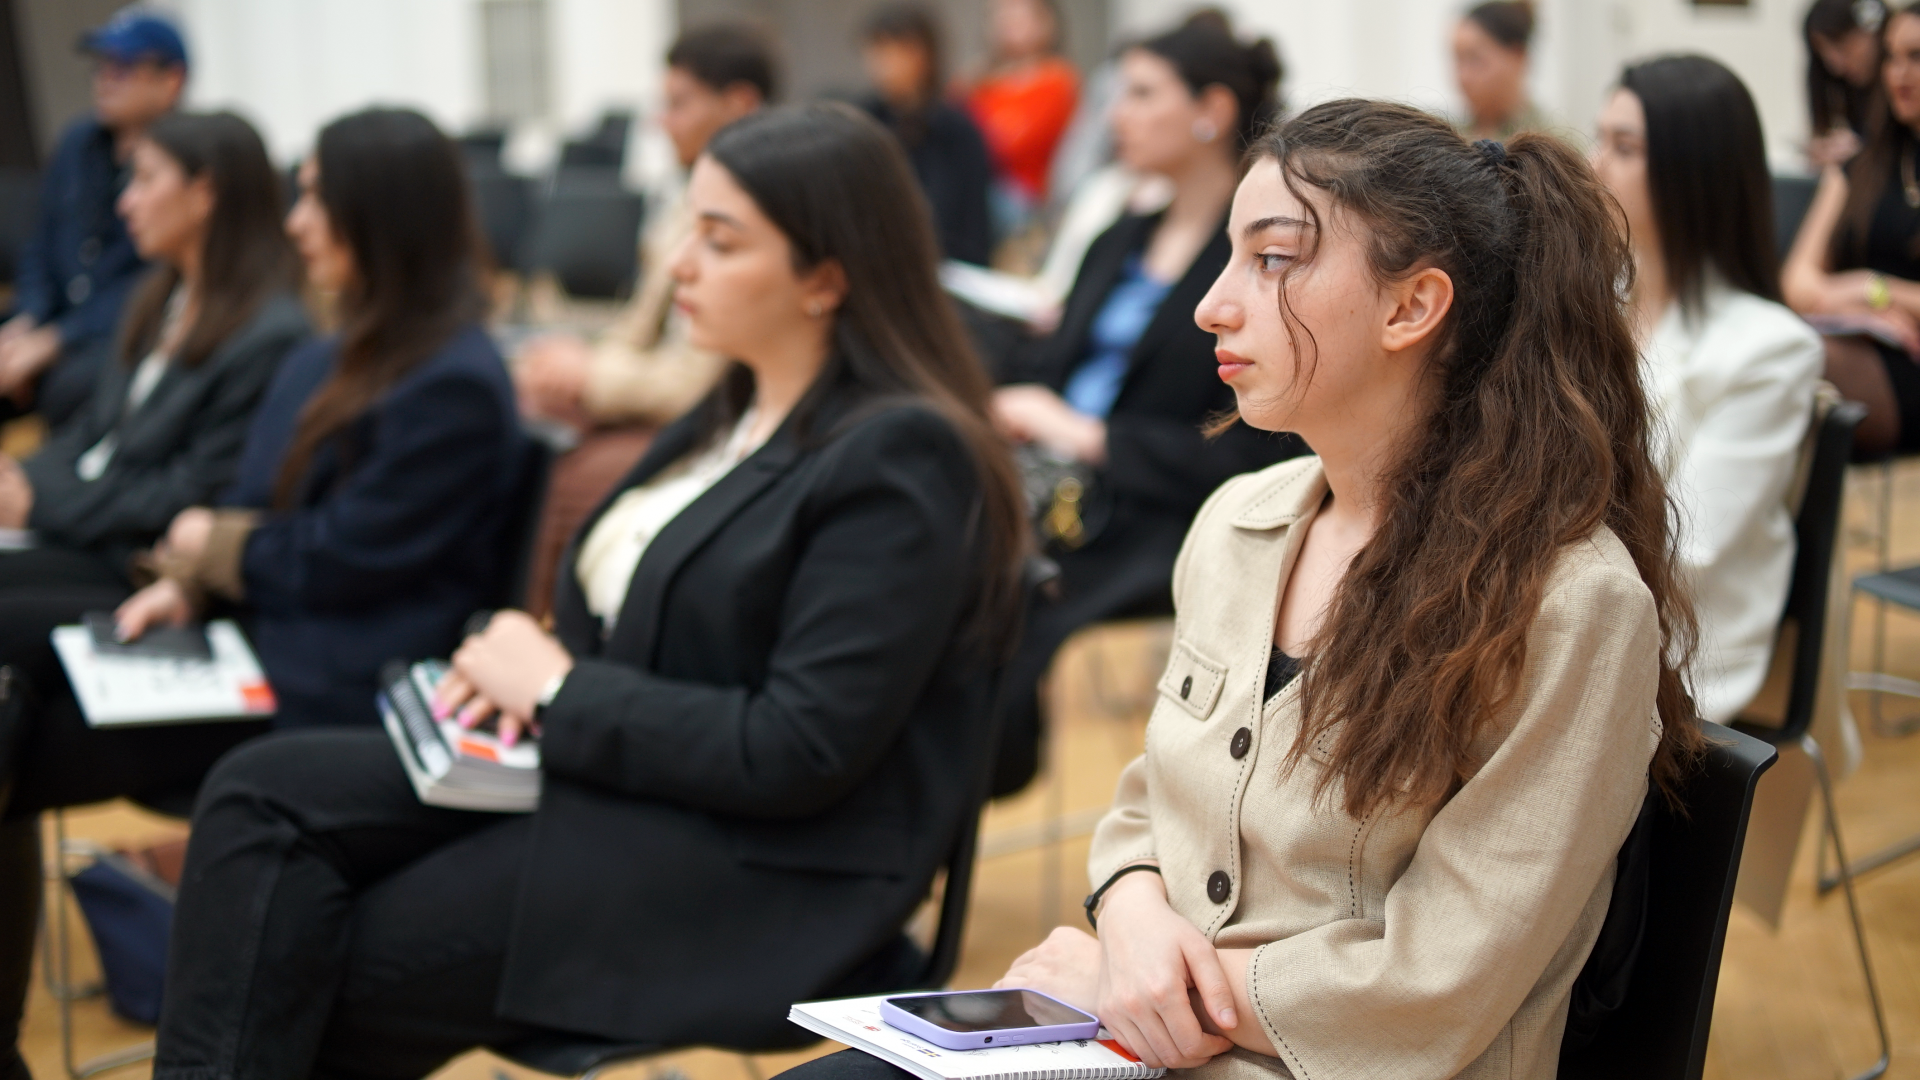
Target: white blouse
612,550
1734,391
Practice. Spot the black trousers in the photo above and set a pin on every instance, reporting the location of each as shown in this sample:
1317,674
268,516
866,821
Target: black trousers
332,926
49,757
846,1065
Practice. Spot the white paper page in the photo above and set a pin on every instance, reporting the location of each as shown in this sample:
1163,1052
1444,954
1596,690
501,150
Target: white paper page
117,691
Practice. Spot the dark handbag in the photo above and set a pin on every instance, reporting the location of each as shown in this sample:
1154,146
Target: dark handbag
1068,504
129,912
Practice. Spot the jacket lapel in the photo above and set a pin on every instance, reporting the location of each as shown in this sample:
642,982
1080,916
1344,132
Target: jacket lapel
635,633
1176,308
1097,276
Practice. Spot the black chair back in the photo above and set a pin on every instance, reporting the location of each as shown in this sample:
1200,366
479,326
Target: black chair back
19,209
521,528
588,235
1792,195
1660,1032
1816,532
504,204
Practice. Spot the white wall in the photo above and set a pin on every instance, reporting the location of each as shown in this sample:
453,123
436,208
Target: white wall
292,65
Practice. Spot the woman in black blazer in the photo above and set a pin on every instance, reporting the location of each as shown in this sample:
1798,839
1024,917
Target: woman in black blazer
1128,383
761,714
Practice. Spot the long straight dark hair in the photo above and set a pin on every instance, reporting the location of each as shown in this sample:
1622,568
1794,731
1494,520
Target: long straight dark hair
245,257
840,189
1869,173
1833,102
1707,176
1541,436
396,195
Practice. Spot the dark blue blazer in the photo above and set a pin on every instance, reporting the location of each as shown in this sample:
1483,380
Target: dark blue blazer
398,533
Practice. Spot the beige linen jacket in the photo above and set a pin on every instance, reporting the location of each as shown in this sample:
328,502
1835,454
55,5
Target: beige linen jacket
1418,942
643,369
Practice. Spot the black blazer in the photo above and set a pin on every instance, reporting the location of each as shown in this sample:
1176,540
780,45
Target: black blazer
751,782
179,449
399,532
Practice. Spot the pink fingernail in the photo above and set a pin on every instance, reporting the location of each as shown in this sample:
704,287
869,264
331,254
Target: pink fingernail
510,737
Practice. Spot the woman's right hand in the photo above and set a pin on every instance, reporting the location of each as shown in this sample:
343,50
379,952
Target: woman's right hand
163,603
1153,957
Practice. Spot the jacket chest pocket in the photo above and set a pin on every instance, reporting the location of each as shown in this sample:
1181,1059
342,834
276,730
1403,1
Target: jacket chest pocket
1192,680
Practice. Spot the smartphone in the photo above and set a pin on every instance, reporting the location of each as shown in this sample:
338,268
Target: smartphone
160,642
976,1019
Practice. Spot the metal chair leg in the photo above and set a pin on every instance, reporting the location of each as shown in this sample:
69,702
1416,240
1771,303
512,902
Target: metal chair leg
61,955
1820,773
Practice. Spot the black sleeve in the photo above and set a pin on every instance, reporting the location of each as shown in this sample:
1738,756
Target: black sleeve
141,501
867,615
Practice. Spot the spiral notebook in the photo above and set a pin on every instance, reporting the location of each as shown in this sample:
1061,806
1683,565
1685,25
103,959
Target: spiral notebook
856,1022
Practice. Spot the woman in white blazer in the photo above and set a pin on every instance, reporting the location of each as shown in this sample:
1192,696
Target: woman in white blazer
1731,370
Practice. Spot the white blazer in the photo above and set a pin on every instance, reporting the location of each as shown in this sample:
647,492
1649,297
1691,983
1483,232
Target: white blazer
1734,389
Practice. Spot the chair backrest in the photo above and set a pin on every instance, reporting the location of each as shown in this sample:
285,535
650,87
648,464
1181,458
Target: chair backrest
1792,195
1817,531
589,237
1037,576
521,524
19,208
504,204
1660,1033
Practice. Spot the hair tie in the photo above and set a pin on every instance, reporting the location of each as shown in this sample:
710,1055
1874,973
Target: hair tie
1495,153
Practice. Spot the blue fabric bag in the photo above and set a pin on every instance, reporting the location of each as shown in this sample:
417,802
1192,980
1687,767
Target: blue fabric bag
130,913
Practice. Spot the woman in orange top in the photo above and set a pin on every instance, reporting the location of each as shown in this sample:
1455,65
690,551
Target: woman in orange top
1025,100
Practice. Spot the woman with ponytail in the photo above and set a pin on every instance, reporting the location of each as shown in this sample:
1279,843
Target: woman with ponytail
1422,683
1121,391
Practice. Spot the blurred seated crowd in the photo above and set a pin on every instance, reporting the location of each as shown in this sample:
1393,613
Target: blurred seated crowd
822,522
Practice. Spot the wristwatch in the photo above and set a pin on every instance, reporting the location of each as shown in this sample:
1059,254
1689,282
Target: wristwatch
548,692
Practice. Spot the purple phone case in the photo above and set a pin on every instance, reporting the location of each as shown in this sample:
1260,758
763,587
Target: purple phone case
982,1040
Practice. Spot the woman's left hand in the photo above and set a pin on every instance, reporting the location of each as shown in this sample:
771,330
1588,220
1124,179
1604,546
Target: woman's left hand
1030,413
502,669
16,494
1065,966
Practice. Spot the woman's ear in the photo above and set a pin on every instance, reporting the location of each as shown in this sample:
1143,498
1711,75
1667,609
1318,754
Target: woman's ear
1420,303
824,287
1222,109
201,196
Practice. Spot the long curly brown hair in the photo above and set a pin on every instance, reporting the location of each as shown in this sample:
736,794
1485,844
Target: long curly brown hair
1541,436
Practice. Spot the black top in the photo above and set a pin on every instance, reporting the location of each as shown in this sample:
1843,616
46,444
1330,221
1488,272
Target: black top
949,158
1281,670
180,448
399,531
1893,233
784,713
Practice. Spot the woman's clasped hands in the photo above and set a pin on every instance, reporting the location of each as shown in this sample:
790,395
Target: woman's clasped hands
1156,983
502,671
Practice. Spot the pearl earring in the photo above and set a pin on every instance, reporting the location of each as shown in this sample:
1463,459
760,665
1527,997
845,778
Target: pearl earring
1205,131
813,308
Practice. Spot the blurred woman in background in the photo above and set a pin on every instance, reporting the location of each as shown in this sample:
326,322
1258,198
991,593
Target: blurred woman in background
763,709
1113,403
1856,261
370,516
1023,103
199,342
1843,65
1731,370
1490,60
902,50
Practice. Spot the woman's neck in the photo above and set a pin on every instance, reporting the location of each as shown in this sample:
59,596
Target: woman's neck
1652,291
1202,188
781,378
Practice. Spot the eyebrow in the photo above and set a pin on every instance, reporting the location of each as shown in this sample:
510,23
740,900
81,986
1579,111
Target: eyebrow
1278,221
720,218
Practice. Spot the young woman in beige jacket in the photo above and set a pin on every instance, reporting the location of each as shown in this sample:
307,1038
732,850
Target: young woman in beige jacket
1420,684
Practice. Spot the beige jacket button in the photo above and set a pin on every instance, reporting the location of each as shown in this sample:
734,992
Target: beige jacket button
1242,742
1219,887
1186,687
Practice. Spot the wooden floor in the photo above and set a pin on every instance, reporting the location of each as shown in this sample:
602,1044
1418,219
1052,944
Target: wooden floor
1791,1004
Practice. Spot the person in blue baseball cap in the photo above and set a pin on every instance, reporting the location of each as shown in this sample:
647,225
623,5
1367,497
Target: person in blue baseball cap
79,265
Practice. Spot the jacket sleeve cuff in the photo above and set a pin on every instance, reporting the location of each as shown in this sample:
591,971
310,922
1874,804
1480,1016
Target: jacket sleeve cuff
219,568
